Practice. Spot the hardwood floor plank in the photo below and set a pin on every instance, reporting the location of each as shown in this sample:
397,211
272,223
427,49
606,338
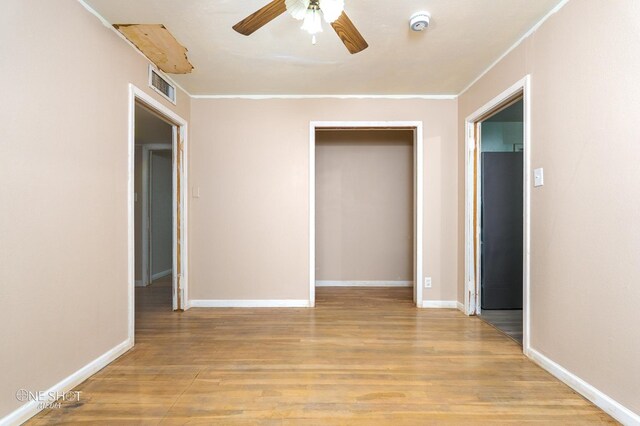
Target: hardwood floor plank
363,356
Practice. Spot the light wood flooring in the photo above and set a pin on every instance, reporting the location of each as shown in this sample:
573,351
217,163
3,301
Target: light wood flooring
363,356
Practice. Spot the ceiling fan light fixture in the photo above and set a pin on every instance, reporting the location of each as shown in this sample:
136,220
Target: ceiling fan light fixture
331,9
312,21
312,13
297,8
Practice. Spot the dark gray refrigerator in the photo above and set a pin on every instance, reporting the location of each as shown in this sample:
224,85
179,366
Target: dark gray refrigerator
501,230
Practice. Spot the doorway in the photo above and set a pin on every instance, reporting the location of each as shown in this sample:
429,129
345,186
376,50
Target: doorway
497,213
364,213
160,214
157,208
501,196
357,240
154,211
154,193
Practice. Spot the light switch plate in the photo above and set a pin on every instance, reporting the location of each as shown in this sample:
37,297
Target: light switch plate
538,177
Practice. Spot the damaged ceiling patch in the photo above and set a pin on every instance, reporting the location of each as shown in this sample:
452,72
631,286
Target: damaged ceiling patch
159,45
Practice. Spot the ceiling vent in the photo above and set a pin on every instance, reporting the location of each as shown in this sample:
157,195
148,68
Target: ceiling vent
162,86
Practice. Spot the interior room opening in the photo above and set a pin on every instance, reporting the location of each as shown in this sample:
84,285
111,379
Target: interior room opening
153,199
501,219
364,212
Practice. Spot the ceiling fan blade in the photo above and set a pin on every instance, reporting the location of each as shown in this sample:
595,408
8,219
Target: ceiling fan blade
260,18
349,34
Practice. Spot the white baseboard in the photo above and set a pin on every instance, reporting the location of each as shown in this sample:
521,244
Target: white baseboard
364,283
461,308
441,304
161,274
605,402
30,409
288,303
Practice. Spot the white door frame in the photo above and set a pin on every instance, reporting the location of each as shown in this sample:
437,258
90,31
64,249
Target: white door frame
180,208
146,256
416,126
472,253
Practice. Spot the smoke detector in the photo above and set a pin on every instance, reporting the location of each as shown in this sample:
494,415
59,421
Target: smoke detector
419,21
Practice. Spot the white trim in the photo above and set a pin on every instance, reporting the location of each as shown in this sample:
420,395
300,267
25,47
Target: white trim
139,283
471,296
145,223
131,239
419,193
516,44
287,303
460,307
419,213
136,94
312,214
174,220
526,181
440,304
336,96
325,283
30,409
599,398
161,274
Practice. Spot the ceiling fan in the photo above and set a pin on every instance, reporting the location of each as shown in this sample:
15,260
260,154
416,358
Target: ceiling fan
311,12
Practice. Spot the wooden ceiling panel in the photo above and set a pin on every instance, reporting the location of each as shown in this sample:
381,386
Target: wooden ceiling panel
159,45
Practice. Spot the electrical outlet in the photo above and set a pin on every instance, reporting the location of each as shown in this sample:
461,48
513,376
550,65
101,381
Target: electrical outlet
427,282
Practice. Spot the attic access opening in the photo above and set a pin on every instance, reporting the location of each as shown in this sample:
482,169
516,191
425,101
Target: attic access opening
159,45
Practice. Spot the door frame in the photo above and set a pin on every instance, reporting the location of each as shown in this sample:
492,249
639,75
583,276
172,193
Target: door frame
418,172
147,248
180,207
472,200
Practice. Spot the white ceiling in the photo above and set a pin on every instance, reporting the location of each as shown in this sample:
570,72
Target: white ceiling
464,38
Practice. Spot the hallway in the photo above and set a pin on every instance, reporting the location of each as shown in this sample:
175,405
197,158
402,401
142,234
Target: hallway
362,356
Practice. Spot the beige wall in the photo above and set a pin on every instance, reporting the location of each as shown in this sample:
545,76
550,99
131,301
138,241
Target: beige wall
584,221
249,229
364,205
63,166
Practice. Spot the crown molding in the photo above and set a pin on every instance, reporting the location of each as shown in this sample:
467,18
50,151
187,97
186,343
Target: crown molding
358,96
516,44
